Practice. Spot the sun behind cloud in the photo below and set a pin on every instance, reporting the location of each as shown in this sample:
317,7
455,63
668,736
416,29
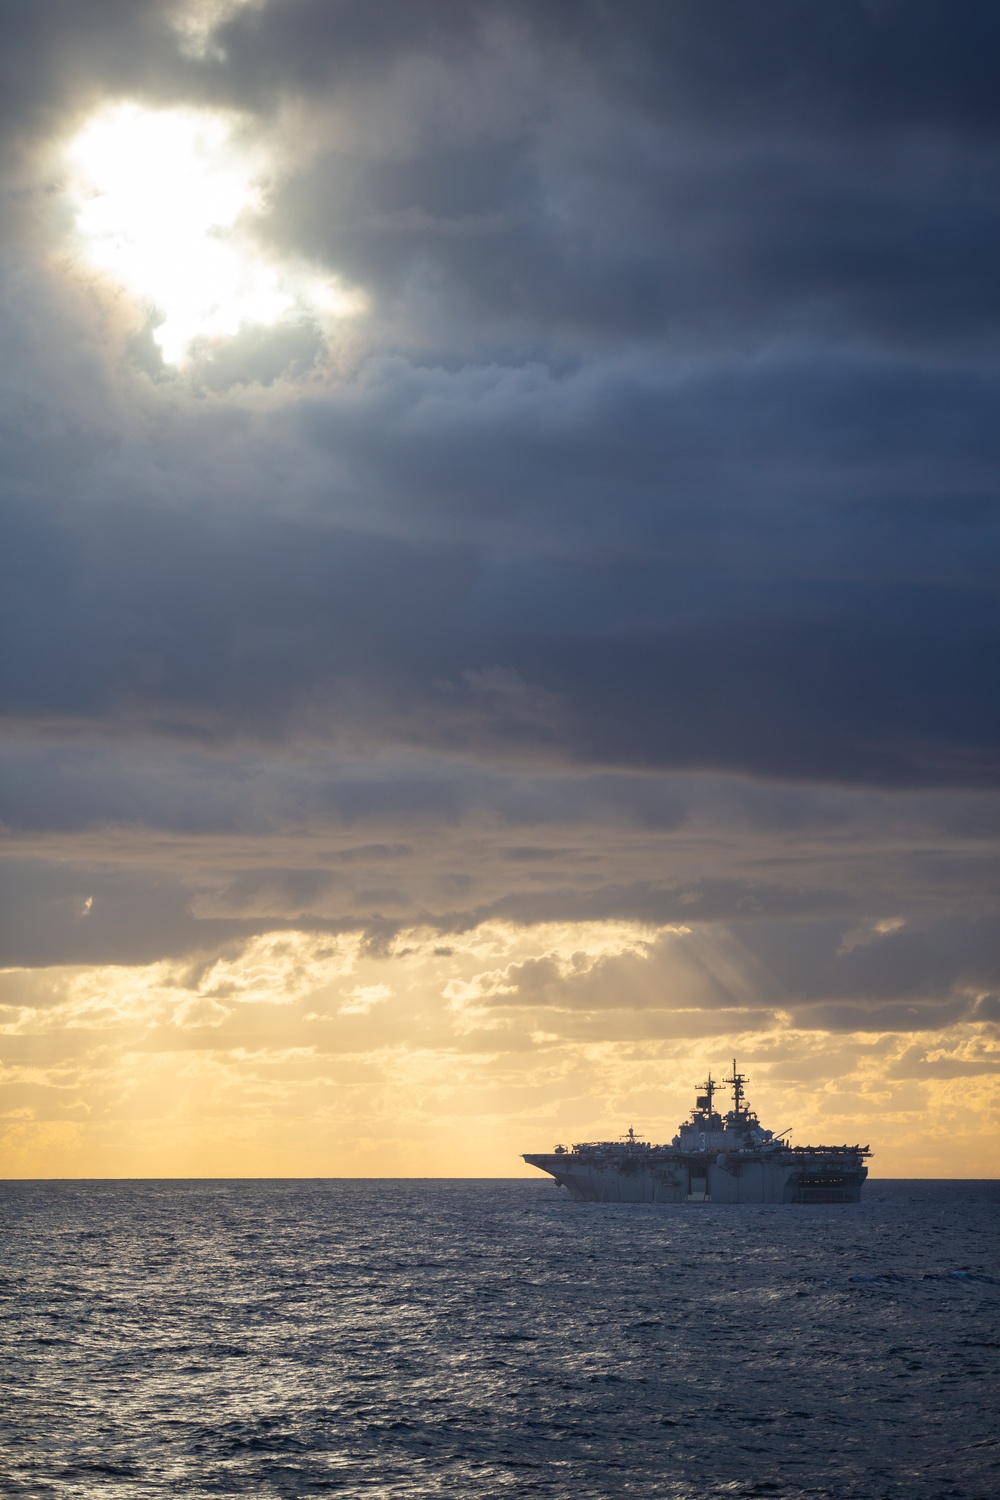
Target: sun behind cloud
163,203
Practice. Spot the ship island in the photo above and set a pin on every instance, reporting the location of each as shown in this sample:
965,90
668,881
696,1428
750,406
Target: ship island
714,1158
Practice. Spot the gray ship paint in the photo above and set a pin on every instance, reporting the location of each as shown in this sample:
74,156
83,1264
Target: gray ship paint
712,1159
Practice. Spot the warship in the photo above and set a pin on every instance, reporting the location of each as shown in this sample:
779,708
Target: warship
714,1158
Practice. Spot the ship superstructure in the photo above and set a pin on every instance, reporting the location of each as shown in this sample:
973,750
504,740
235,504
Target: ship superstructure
714,1158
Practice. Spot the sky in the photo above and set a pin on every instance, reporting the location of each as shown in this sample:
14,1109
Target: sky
500,609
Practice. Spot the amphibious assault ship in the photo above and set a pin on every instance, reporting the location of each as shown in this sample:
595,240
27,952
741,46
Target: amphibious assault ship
714,1158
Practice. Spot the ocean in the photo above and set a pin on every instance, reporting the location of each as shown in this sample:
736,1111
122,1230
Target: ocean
492,1338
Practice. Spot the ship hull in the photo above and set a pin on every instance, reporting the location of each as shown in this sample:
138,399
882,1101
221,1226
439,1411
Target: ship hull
783,1178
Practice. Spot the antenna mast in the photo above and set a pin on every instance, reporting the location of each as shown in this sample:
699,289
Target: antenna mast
739,1093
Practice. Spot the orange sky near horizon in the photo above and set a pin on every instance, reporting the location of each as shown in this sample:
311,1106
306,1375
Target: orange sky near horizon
298,1054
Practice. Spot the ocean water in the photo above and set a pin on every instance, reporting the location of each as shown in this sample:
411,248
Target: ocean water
404,1339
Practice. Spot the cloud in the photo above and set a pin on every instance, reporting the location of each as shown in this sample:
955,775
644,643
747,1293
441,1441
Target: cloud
775,560
215,621
625,564
363,999
285,1045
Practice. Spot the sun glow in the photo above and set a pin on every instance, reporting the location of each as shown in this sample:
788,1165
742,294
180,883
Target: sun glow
164,203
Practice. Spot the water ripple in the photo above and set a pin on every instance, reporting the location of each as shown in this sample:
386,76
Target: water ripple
402,1340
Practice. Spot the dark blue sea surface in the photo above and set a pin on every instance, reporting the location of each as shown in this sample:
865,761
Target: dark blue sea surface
401,1339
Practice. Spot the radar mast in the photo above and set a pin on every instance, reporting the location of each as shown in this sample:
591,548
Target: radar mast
738,1081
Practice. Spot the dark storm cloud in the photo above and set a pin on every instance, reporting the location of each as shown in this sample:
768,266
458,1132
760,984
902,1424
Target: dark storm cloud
862,62
926,1016
220,623
78,914
800,968
913,961
71,785
829,894
705,242
709,606
562,170
651,169
659,903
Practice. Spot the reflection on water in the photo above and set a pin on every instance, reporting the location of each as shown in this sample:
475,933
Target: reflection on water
406,1339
